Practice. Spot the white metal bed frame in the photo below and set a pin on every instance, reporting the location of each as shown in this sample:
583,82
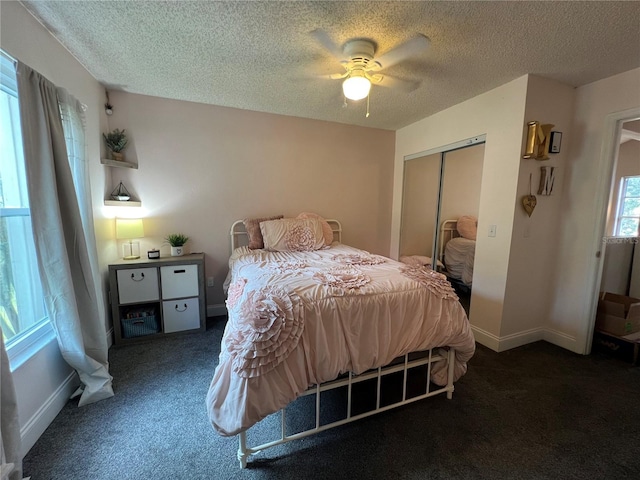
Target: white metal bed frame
448,231
244,452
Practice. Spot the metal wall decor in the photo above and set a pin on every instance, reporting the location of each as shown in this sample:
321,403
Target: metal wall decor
121,193
547,178
529,201
538,139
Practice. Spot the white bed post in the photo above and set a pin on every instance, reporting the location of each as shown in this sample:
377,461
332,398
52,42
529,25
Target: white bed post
451,359
242,449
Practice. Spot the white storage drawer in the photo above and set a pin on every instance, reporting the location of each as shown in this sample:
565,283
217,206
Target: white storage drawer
179,281
181,315
138,285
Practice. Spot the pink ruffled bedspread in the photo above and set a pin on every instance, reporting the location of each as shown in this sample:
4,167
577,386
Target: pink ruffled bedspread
301,318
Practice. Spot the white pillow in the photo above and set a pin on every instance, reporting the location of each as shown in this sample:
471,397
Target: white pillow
292,235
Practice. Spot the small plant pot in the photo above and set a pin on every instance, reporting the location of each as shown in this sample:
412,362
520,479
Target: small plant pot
118,156
177,251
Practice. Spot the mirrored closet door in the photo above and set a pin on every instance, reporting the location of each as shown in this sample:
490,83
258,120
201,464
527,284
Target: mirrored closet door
420,197
440,188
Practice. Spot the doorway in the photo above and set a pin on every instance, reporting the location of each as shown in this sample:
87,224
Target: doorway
616,125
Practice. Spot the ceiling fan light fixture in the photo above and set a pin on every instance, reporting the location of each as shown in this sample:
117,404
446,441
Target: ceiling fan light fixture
356,86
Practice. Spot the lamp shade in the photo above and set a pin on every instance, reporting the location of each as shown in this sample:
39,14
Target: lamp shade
357,86
128,228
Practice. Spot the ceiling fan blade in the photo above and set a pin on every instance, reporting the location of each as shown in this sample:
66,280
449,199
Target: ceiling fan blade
333,76
325,40
408,49
394,82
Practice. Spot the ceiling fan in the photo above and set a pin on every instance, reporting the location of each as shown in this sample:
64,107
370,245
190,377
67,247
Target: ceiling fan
357,56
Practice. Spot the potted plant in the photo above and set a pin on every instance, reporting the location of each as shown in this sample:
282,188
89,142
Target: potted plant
177,241
116,141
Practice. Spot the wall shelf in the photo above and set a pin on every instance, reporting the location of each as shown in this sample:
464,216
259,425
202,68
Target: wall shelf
115,163
118,203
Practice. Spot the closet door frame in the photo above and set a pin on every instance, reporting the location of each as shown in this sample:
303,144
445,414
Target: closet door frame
443,150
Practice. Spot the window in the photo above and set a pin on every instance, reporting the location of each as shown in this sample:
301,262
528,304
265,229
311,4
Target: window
628,215
22,306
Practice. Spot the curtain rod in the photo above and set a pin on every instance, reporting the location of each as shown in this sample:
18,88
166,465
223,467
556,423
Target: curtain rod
15,62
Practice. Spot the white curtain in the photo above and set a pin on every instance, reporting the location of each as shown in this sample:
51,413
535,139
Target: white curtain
10,445
73,124
64,259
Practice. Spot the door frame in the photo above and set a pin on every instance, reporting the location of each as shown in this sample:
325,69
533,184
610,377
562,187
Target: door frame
608,160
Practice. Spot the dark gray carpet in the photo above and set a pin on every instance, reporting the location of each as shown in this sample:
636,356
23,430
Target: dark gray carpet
535,412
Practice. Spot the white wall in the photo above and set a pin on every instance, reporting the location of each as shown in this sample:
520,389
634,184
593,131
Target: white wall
585,192
536,279
201,167
532,256
44,383
499,114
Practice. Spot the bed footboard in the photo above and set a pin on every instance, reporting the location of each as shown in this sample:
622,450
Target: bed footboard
349,381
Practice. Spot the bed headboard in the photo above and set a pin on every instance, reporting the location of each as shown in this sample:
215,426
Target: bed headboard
448,230
239,234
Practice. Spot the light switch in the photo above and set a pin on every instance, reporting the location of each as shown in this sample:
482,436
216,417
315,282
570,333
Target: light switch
492,230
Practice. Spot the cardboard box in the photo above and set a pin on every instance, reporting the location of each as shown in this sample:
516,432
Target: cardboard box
618,314
626,348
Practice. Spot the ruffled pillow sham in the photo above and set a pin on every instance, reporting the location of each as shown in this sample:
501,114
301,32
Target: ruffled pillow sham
327,231
292,235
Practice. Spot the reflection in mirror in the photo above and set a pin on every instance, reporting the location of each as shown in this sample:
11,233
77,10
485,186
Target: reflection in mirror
419,208
460,200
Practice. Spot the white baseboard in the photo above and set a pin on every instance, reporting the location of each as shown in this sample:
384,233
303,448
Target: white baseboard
485,338
501,344
563,340
38,423
216,310
521,338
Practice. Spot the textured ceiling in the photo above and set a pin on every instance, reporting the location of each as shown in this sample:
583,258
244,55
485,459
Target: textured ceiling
260,56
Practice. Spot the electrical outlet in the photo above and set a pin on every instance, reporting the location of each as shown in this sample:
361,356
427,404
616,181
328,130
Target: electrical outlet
210,282
492,230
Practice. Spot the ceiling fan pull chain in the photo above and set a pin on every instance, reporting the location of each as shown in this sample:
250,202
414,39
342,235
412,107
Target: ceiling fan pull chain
367,115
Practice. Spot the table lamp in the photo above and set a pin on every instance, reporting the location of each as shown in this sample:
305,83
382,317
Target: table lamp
128,229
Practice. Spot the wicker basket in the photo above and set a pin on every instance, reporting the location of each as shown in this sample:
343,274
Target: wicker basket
139,326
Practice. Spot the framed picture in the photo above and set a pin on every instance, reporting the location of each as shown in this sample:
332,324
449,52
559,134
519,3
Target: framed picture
556,140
